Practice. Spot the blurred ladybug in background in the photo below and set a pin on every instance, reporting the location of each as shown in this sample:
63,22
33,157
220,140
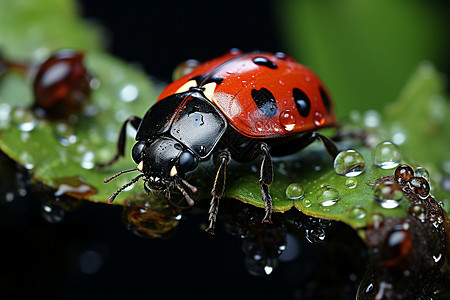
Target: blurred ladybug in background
238,106
61,86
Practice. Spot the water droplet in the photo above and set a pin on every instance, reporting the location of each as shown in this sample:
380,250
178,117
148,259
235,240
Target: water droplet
129,93
27,160
318,118
87,161
403,173
185,68
372,118
259,126
23,118
295,191
287,120
52,213
65,134
422,172
386,155
419,186
388,194
307,203
351,183
268,269
327,196
315,235
75,187
5,112
349,163
357,212
418,211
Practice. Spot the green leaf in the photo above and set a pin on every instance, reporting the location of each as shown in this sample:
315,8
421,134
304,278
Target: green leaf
56,152
32,29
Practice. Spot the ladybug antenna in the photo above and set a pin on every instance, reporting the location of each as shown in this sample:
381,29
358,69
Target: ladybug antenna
113,196
106,180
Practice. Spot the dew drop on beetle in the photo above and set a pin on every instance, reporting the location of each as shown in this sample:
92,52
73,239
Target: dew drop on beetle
386,155
349,163
287,120
319,118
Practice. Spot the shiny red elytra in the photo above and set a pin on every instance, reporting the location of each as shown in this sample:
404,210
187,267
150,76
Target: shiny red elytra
262,94
62,85
238,107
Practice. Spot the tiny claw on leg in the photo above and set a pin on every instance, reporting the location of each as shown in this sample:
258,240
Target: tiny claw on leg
213,210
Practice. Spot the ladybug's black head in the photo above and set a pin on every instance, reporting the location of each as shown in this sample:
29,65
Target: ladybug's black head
163,164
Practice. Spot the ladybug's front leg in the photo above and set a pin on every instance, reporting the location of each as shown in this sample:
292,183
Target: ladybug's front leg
134,121
218,189
265,179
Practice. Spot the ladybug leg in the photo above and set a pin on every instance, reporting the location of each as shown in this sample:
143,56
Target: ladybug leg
134,121
265,179
218,189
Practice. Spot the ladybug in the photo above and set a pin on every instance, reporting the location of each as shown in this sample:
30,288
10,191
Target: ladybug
238,106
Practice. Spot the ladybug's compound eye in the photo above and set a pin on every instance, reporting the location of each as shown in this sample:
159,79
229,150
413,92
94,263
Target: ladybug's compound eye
136,153
187,162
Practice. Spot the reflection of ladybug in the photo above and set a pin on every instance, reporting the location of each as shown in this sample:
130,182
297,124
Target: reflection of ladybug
239,106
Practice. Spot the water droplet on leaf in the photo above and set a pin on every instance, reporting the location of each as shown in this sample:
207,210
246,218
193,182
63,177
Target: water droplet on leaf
349,163
351,183
327,196
388,194
295,191
23,118
386,155
357,212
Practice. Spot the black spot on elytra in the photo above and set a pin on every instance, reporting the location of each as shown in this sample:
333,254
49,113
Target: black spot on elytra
265,101
262,61
302,102
325,99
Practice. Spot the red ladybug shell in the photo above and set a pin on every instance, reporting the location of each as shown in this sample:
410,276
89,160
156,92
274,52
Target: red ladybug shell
261,94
